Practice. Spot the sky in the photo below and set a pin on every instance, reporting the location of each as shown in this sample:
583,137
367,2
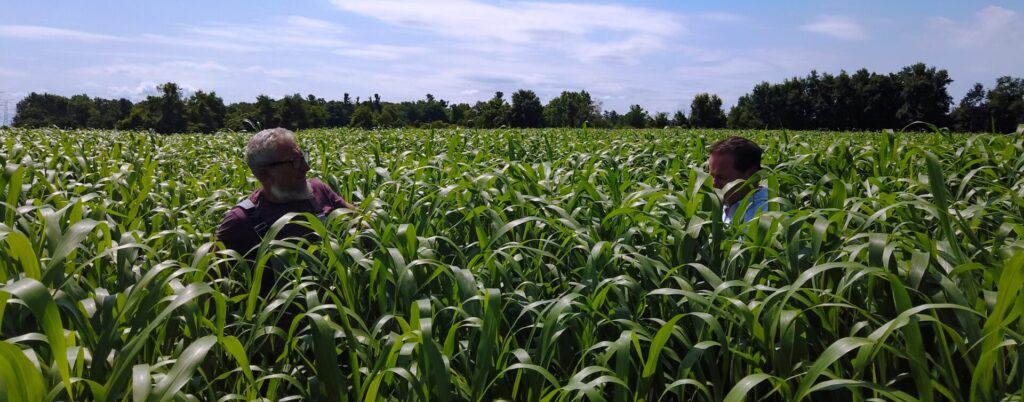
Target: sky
657,54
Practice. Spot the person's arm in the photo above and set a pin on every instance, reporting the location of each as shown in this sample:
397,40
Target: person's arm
340,202
236,232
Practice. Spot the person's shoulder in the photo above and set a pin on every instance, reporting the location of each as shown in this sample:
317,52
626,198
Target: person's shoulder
237,214
234,217
319,186
317,183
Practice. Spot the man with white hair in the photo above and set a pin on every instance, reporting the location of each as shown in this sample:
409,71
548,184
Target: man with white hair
280,165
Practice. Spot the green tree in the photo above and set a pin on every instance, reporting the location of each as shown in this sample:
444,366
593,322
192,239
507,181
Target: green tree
679,119
571,109
362,117
706,111
239,115
41,110
430,110
80,111
611,119
205,112
744,115
493,113
1006,104
461,114
291,112
108,112
339,113
877,100
923,94
636,117
266,112
171,110
527,110
316,111
660,120
972,114
390,115
144,115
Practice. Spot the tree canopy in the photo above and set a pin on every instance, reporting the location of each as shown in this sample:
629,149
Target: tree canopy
863,100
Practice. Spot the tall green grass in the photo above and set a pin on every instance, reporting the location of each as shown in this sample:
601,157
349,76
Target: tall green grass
544,265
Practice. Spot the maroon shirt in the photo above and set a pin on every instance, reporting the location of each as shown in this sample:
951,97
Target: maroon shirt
238,229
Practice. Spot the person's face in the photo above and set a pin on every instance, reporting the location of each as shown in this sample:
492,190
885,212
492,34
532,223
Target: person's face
723,171
286,176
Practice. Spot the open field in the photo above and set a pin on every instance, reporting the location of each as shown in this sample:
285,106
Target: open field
519,265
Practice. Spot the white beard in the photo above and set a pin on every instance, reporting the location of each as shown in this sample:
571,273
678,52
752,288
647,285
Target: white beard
306,193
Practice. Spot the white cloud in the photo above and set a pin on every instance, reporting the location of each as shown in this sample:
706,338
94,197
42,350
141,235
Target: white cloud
624,51
189,75
6,72
291,32
149,70
311,24
278,73
137,92
991,26
722,17
197,43
836,26
584,31
42,32
381,52
739,66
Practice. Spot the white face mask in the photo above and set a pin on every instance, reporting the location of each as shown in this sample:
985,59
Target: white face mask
286,195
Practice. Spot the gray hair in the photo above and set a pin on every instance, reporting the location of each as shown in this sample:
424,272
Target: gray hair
262,147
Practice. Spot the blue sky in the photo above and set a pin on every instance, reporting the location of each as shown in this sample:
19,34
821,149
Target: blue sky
658,54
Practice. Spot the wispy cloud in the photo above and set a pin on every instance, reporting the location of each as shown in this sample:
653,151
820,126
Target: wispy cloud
311,24
722,17
196,42
992,25
44,32
190,75
149,70
623,51
979,47
287,33
836,26
292,31
584,31
6,72
381,52
277,73
136,92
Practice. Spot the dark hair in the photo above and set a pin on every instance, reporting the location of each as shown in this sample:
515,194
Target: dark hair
745,153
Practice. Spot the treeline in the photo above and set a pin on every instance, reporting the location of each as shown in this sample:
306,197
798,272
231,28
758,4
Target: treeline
861,101
869,101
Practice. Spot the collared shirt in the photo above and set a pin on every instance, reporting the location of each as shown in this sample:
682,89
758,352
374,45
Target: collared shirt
237,230
758,203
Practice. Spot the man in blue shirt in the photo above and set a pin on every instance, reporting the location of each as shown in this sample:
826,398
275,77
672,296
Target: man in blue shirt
732,159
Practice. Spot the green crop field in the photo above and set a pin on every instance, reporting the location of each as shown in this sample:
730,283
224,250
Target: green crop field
543,265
